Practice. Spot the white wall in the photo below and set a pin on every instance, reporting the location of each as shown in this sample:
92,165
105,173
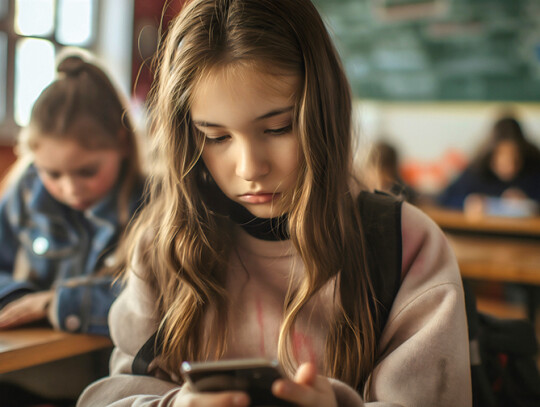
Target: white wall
424,133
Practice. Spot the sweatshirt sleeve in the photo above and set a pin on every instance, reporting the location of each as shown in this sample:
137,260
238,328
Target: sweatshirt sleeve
82,304
425,348
132,320
424,345
10,288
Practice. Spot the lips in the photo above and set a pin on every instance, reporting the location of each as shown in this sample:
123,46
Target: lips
259,198
79,205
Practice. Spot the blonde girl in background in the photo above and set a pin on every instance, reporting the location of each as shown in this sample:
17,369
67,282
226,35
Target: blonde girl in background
76,186
251,244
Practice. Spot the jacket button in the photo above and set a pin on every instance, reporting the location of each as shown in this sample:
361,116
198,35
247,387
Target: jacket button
72,322
40,245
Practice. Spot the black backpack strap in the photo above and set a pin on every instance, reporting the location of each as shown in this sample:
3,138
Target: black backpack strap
148,352
381,222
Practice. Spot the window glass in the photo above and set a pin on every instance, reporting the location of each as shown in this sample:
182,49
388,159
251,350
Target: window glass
3,79
75,18
34,69
34,17
3,8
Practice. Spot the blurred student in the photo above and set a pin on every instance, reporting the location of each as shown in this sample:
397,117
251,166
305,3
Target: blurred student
255,241
503,177
75,187
382,172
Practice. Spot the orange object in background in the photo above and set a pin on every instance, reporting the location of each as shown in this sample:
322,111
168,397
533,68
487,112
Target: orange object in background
432,176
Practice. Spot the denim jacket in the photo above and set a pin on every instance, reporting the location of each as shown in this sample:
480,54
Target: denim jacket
59,248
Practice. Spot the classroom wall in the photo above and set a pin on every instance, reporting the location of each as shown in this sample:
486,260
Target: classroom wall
115,39
437,138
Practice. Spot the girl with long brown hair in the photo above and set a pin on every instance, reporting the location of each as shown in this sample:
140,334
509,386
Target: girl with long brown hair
252,243
502,177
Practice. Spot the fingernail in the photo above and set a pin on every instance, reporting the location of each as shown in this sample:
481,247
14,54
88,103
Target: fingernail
279,387
241,400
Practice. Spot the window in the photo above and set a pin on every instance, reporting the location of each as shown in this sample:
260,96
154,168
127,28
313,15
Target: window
32,33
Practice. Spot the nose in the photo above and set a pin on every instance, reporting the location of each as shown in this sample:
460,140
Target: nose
70,187
252,161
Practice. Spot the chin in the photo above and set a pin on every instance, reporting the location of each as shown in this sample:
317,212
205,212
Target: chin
265,213
79,207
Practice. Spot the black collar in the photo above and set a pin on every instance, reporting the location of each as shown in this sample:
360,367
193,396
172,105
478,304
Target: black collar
272,229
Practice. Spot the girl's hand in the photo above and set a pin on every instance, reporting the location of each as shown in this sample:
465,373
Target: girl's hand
29,308
474,206
307,390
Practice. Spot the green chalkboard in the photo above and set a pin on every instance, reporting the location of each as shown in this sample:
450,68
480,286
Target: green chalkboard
426,50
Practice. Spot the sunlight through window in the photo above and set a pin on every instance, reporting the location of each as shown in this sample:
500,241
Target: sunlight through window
3,68
34,17
34,70
75,22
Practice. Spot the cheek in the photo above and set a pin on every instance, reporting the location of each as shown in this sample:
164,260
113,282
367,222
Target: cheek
52,186
216,166
98,187
103,182
289,158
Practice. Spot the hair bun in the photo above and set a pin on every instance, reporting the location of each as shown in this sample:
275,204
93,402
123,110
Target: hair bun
71,65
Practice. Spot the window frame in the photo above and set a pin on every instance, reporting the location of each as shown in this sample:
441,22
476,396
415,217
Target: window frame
8,126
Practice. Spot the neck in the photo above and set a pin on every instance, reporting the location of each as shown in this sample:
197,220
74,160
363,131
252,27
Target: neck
272,229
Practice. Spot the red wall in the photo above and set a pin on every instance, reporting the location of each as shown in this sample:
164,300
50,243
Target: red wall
148,16
7,157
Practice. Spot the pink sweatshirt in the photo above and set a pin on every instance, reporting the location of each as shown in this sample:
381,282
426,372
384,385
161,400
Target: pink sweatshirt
425,345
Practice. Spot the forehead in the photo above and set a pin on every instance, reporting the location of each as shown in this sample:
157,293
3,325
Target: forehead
243,90
509,146
62,154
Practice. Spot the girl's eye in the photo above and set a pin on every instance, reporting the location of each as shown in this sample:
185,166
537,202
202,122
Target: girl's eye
52,175
216,140
88,173
280,131
48,173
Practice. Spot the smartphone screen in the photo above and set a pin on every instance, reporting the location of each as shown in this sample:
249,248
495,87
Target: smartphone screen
252,376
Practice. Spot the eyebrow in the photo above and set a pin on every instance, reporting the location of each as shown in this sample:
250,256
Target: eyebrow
271,113
78,169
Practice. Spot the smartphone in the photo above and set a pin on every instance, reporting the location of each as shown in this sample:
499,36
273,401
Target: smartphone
252,376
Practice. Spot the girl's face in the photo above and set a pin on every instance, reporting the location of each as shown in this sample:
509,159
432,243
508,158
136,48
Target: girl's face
250,149
76,176
506,160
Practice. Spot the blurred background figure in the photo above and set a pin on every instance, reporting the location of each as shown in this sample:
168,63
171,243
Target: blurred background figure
502,179
63,209
382,172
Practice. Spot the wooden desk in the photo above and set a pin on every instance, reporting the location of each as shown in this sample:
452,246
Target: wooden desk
25,347
449,220
505,259
497,258
494,248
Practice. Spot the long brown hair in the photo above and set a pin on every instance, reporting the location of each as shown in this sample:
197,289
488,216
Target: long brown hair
83,104
184,245
507,128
